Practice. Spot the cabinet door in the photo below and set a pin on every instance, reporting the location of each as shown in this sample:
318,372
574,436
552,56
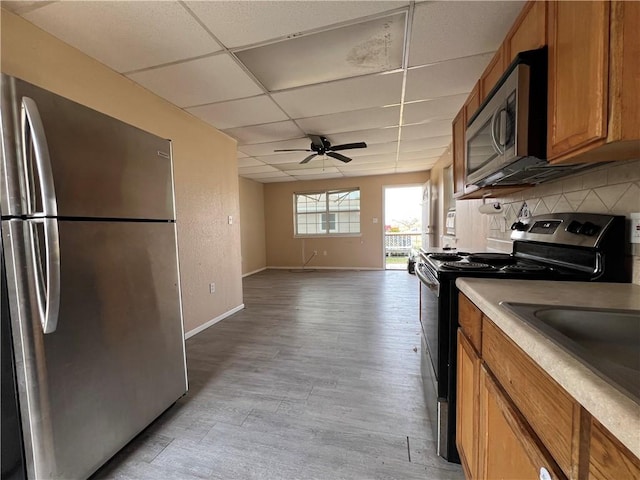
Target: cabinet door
508,449
458,153
530,32
578,75
472,103
608,459
468,375
492,73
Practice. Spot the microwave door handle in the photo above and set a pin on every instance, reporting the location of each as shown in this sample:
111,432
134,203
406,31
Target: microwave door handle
494,140
502,134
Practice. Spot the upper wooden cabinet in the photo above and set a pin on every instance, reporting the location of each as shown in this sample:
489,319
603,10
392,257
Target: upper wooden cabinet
593,107
492,73
528,32
594,79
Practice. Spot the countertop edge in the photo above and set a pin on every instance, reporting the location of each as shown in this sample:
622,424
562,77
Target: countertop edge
613,409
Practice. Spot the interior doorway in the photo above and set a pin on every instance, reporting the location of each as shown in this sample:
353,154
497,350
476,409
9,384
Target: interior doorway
402,224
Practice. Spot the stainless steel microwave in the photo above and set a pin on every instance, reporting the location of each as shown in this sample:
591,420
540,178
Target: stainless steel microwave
506,138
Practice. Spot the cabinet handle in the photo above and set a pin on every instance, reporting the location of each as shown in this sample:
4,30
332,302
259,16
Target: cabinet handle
544,474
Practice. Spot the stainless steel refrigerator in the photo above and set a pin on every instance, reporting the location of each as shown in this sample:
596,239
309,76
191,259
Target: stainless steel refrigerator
91,291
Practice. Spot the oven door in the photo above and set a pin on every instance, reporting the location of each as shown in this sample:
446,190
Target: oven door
429,294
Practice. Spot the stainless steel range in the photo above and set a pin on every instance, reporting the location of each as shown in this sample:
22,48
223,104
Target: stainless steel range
558,246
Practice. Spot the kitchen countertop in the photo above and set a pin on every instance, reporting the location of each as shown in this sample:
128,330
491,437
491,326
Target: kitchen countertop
612,408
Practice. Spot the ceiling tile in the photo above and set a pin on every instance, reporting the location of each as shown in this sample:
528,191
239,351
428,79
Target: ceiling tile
389,148
265,133
126,35
423,144
272,179
269,175
268,148
350,51
269,20
416,132
446,78
447,30
198,82
283,158
238,113
413,168
434,128
443,107
342,96
350,121
372,159
257,169
249,162
421,154
370,137
313,171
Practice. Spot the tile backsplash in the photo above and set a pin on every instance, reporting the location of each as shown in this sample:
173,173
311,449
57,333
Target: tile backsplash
612,188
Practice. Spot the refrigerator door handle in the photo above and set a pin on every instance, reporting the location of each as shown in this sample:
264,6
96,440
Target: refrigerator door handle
47,273
32,122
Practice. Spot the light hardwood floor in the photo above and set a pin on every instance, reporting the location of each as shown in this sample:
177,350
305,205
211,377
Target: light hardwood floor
317,378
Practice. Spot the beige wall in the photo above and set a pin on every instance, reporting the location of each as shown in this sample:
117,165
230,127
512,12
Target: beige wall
364,251
206,176
252,227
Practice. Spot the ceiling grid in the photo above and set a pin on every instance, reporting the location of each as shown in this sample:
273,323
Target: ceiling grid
269,73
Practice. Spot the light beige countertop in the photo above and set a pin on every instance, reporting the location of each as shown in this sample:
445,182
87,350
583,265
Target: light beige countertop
612,408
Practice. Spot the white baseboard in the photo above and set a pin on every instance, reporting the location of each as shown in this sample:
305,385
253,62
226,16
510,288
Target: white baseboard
213,321
253,272
325,268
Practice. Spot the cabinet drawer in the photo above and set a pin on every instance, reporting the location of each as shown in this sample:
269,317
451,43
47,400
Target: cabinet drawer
547,407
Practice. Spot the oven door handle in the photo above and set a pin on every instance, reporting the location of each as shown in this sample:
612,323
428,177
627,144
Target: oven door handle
431,283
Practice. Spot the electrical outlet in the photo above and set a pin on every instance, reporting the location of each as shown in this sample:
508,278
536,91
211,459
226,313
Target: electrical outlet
324,253
634,228
212,288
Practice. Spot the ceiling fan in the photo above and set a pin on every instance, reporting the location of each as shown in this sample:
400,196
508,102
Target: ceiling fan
321,146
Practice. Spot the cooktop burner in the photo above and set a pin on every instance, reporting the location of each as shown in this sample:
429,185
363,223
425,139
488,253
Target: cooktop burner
467,265
492,258
524,267
445,256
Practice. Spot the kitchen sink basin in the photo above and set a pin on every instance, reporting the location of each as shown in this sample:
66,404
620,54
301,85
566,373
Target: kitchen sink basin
606,340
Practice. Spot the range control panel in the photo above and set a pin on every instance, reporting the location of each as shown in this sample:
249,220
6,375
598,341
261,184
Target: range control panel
580,229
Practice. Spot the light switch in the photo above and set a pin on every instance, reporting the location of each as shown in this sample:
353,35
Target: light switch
230,220
375,220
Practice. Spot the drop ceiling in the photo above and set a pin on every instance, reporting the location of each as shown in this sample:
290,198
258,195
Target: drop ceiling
390,73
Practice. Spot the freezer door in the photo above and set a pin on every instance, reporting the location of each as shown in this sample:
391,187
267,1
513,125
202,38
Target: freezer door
100,167
116,359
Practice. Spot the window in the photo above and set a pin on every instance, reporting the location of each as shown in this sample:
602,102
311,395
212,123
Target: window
330,212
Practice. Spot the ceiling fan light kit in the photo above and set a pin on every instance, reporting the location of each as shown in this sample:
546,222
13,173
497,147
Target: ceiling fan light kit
321,146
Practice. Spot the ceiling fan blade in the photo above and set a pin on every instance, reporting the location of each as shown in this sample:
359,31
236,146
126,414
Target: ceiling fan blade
347,146
308,159
339,156
317,140
292,150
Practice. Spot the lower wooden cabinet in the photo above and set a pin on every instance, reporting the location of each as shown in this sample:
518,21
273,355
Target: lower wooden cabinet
508,448
468,375
607,458
516,422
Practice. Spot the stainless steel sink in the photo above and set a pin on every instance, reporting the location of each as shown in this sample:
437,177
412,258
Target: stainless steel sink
606,340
